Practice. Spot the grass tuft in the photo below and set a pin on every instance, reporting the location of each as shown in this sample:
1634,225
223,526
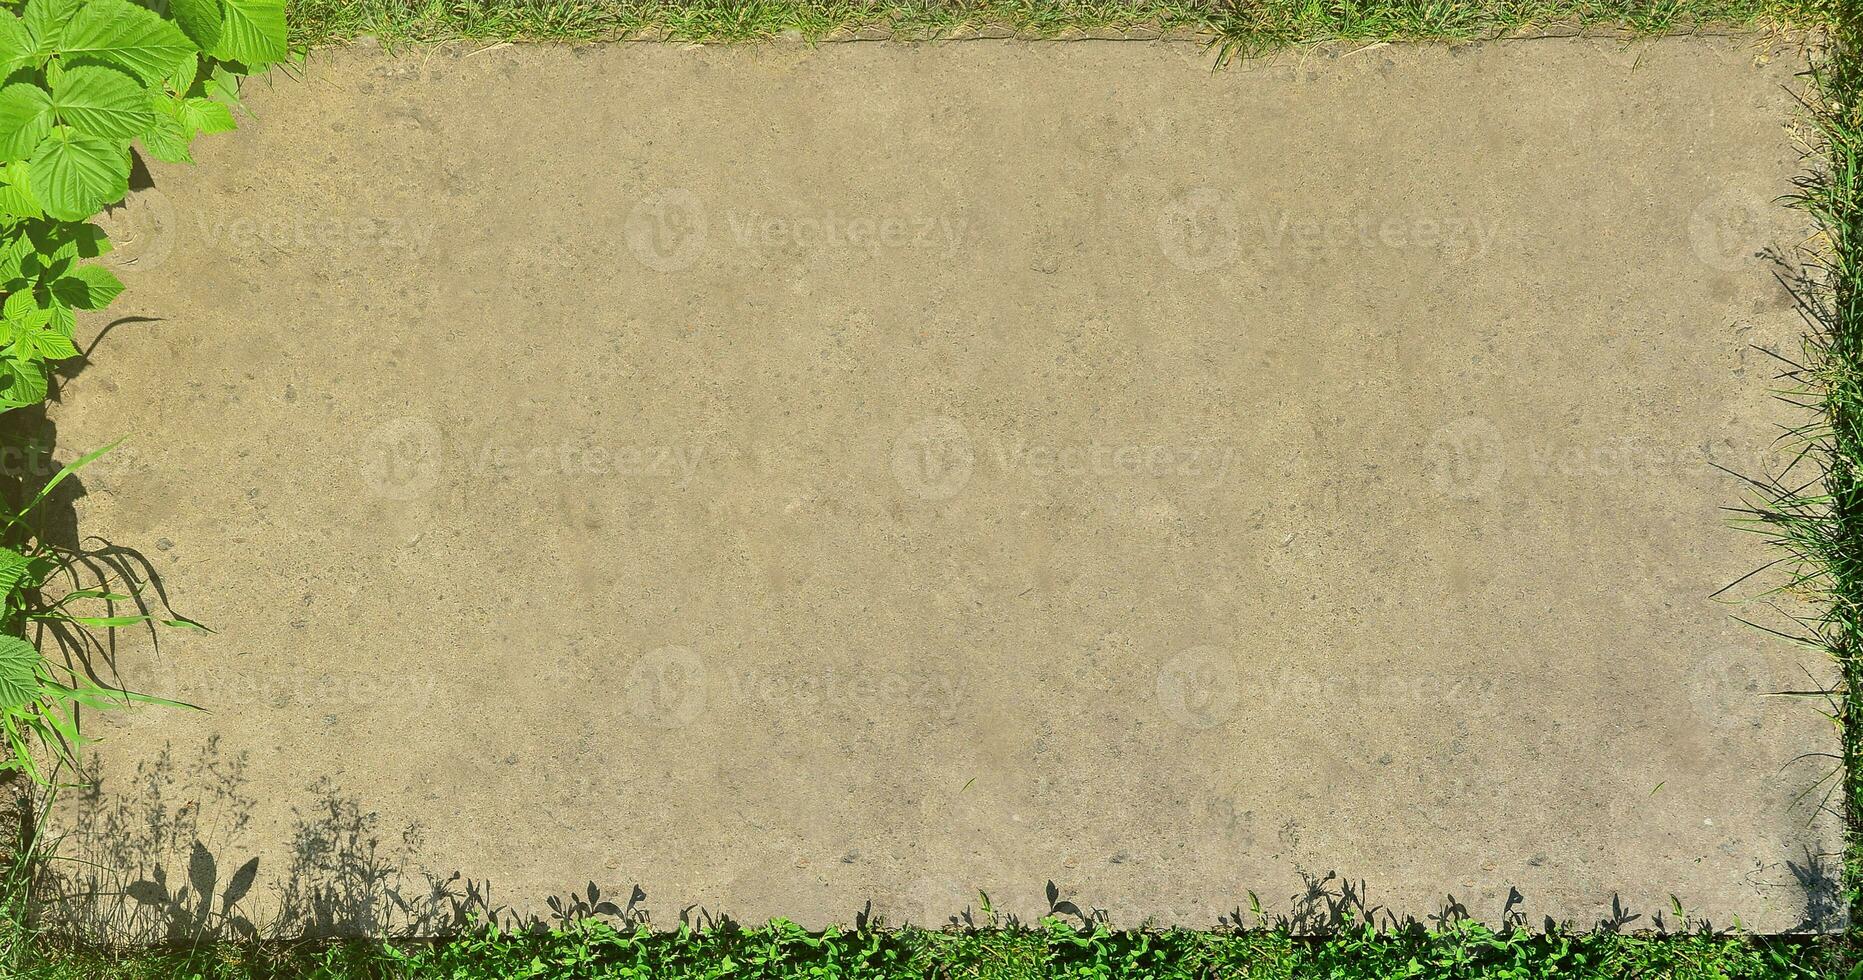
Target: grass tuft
1242,25
1812,509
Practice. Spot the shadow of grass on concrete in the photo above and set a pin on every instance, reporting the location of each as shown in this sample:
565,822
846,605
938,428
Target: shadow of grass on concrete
1811,509
157,863
125,584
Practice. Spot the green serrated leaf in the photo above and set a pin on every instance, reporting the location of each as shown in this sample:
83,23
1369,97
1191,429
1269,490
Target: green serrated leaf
68,291
88,287
74,176
13,254
222,85
42,267
45,20
19,673
124,34
21,307
252,32
22,383
61,319
51,256
205,115
17,48
16,199
182,78
101,101
199,19
25,120
167,139
13,568
46,343
58,241
83,241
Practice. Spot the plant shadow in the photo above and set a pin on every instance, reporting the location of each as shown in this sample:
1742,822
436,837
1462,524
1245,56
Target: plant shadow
157,863
40,499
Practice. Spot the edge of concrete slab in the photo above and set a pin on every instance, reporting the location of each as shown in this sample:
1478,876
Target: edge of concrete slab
982,37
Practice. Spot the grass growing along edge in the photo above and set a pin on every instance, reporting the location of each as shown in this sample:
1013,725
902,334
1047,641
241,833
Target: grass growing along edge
1050,949
1819,521
1236,26
1813,509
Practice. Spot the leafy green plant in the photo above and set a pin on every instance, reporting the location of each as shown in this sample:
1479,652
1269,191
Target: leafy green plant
83,85
84,80
38,694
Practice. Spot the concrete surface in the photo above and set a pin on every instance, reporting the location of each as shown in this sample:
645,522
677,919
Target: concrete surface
807,481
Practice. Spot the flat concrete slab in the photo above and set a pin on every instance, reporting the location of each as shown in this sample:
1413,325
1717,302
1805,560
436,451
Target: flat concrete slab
806,481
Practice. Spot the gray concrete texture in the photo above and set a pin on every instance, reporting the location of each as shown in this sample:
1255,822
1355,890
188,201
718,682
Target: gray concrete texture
802,480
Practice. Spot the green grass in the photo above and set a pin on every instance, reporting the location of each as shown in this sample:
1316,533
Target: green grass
1813,508
1242,25
1831,543
1051,950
